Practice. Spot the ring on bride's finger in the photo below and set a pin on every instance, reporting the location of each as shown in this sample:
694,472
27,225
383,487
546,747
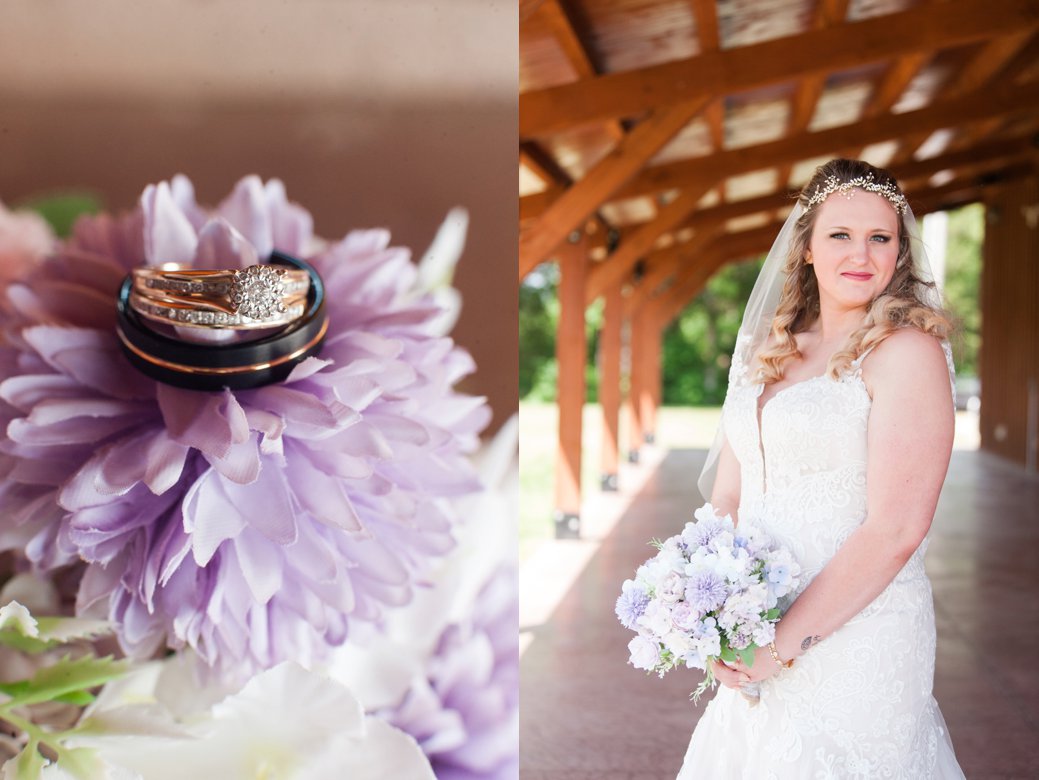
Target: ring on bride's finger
260,296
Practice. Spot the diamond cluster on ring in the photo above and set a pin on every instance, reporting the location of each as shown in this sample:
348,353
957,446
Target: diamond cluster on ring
256,292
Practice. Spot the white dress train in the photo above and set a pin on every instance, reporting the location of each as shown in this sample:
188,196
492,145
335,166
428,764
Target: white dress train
859,704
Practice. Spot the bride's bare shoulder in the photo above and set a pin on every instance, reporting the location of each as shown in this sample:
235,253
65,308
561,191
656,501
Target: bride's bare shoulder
909,359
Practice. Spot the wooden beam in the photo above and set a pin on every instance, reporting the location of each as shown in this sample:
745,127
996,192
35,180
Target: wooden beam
619,264
624,161
828,13
558,19
743,68
893,83
667,263
527,8
610,388
541,164
1002,100
570,359
706,13
979,72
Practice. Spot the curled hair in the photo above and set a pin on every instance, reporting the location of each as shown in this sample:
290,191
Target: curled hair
901,304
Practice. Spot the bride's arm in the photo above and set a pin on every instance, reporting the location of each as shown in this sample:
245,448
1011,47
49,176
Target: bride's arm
909,444
725,495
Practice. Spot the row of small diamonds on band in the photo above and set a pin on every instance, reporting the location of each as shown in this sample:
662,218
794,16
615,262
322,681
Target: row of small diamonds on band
209,317
217,288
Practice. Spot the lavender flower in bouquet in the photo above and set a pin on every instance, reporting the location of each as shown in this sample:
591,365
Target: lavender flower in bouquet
711,593
254,526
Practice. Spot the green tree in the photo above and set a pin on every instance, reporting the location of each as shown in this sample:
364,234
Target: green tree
698,343
963,283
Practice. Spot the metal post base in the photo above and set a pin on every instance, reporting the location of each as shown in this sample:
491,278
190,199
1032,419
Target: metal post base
649,438
568,525
608,483
633,456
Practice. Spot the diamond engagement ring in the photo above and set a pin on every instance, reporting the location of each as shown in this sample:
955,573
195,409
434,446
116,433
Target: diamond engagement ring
260,296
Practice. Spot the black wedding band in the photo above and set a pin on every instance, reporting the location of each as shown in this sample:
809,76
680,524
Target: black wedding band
237,366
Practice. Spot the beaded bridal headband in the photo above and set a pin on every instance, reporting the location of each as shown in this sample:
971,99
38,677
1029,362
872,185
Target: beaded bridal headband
845,188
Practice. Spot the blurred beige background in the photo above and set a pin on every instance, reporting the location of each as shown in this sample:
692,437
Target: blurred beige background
373,114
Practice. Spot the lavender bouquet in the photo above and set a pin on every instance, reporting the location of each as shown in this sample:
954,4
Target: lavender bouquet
710,593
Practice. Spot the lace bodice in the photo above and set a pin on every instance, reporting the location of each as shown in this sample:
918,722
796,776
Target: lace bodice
803,467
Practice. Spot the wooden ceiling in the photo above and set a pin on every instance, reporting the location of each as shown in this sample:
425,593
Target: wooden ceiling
663,128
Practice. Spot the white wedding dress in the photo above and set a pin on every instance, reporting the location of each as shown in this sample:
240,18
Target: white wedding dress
859,704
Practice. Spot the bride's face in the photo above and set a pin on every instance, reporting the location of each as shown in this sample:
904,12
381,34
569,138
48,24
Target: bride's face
853,249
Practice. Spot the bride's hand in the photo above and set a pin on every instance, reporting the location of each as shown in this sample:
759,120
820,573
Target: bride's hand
763,668
727,676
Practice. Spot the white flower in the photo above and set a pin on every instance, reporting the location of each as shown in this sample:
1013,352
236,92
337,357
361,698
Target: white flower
285,723
677,642
645,653
656,619
671,587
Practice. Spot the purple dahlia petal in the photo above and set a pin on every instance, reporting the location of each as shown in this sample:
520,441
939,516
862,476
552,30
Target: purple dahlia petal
246,209
208,422
221,246
168,234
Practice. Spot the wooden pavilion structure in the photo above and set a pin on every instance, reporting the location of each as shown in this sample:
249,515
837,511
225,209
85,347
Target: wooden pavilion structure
661,139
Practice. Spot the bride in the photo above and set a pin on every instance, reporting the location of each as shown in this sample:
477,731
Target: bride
835,439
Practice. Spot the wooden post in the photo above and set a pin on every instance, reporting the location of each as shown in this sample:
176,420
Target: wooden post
654,379
610,386
648,335
635,382
570,358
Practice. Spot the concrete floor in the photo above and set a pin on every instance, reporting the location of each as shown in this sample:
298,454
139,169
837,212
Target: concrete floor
587,715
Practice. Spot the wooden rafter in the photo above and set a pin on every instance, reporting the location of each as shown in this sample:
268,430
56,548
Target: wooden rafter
1000,100
980,71
579,201
846,45
706,12
559,20
828,13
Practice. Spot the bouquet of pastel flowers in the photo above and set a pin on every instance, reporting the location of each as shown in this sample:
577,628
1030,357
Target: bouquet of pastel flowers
710,593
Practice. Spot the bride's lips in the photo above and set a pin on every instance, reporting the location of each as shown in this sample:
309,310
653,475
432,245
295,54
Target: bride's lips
857,277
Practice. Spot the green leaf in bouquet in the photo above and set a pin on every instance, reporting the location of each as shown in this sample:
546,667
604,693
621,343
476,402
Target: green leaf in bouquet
28,764
727,654
78,698
23,643
747,654
773,614
66,676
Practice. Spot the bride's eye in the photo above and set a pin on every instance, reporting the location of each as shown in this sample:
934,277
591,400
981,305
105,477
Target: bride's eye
882,239
839,234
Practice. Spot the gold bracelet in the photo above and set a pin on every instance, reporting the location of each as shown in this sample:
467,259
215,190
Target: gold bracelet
775,657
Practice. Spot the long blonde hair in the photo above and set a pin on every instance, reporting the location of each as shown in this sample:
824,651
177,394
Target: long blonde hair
900,305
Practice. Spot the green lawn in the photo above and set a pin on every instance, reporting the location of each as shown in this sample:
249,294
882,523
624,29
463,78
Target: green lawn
676,427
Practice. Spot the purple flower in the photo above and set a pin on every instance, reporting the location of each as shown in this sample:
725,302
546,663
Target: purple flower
705,592
465,716
631,604
252,526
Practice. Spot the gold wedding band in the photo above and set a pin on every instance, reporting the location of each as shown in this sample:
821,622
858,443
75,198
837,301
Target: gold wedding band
260,296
